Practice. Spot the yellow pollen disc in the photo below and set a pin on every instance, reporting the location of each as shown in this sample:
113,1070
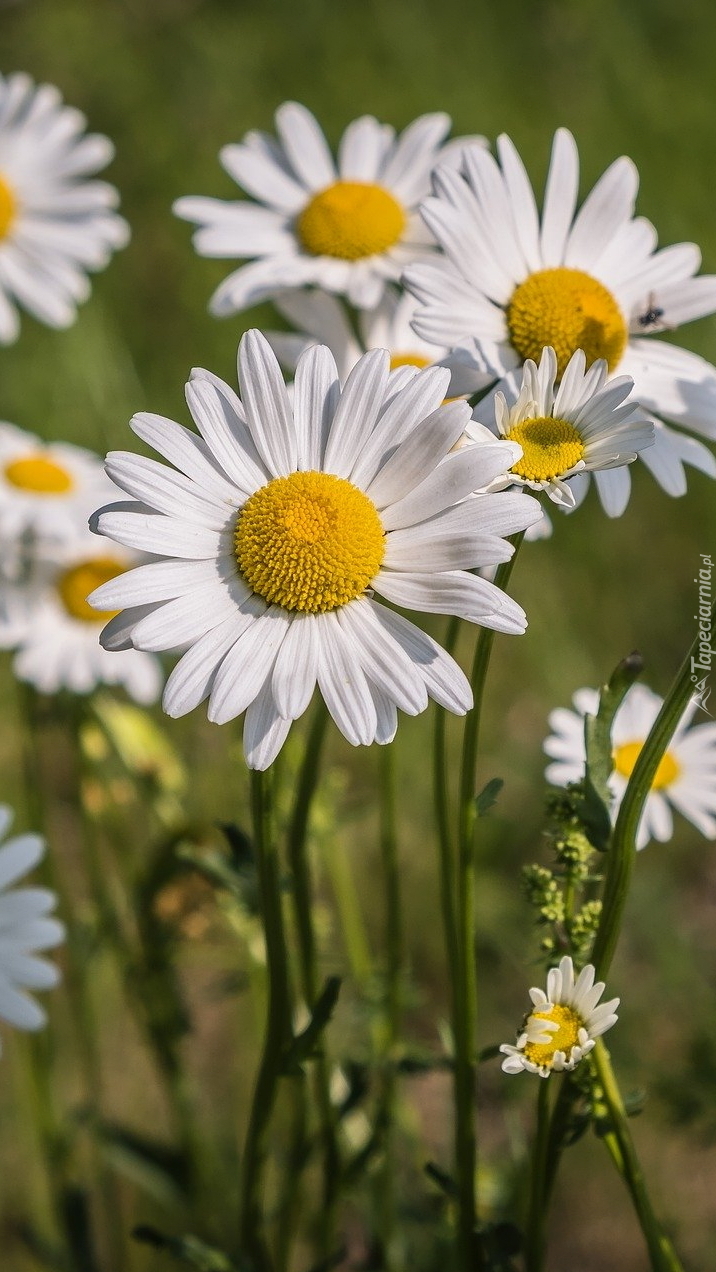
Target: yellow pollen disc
8,208
74,586
625,757
563,1039
350,220
39,475
569,310
551,447
309,542
409,360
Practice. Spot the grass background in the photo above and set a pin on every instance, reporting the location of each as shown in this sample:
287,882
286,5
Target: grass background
171,81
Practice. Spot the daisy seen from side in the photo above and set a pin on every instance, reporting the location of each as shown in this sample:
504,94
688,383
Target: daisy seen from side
56,224
347,225
564,1023
283,521
511,282
685,779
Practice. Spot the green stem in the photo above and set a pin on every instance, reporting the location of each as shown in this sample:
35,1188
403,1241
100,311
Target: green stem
661,1252
278,1028
535,1230
622,853
391,1029
446,849
465,979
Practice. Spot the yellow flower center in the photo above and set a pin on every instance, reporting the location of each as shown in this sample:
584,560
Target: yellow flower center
8,208
40,475
309,542
569,310
562,1039
350,220
75,584
409,360
625,757
551,447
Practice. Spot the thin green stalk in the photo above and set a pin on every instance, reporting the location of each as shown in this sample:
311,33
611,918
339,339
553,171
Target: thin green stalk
278,1027
441,793
661,1252
391,1026
465,979
622,853
536,1215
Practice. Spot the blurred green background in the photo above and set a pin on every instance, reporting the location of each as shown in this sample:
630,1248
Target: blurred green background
171,81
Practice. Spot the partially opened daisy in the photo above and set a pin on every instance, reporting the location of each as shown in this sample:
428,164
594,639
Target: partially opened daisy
511,283
55,224
283,520
26,927
55,632
685,778
347,225
564,1023
585,424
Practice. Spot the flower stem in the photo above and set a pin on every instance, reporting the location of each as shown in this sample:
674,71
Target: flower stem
278,1026
392,1004
442,814
535,1229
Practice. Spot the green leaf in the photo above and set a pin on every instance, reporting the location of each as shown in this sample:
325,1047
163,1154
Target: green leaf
488,796
157,1168
187,1249
595,811
304,1045
444,1181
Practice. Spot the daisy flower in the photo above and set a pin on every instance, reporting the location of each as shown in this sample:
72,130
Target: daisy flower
511,283
48,621
685,778
25,928
55,225
47,490
584,425
283,520
348,225
564,1024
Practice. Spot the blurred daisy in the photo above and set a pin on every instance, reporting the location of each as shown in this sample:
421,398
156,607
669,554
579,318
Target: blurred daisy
47,491
25,928
510,284
283,522
585,424
685,778
347,226
48,621
564,1024
55,225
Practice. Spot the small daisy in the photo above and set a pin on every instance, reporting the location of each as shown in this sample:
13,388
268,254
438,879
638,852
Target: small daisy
283,521
348,226
48,621
564,1024
685,778
585,424
55,225
323,319
47,491
25,928
509,284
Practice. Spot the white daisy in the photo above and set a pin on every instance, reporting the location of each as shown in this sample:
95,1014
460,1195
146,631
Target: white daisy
348,225
47,491
47,620
55,225
283,520
564,1024
685,778
25,928
510,284
584,425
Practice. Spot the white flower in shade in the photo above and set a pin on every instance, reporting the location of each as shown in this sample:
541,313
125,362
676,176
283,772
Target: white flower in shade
564,1023
47,490
511,283
55,225
321,318
25,928
583,425
47,620
348,225
685,778
284,520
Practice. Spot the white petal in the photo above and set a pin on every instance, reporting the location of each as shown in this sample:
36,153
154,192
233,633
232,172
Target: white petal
265,401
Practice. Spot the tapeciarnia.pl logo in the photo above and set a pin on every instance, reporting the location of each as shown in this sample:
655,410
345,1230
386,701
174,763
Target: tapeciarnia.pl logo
701,661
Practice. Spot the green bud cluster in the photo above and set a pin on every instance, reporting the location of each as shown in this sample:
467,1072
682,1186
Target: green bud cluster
557,894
